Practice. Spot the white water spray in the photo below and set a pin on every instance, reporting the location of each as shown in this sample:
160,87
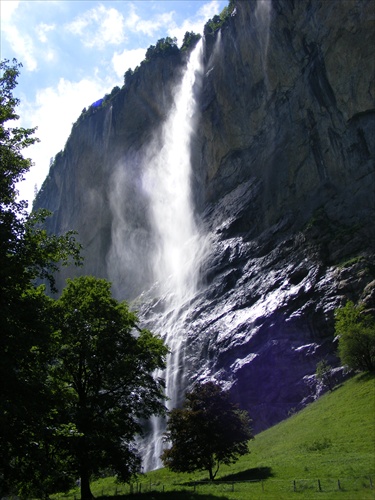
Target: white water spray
168,182
263,22
179,245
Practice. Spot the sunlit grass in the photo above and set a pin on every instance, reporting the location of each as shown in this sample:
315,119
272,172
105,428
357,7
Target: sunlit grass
325,451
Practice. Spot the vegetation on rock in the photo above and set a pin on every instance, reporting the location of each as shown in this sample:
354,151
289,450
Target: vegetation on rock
217,21
355,328
190,40
323,374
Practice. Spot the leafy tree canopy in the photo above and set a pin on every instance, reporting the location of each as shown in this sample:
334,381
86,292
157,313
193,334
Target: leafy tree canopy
355,329
164,47
190,40
209,430
27,253
103,374
218,21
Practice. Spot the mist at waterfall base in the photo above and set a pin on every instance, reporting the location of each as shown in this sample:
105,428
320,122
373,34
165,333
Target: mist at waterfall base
167,246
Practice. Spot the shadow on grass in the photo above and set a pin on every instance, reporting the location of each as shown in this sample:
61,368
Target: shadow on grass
365,376
169,495
256,474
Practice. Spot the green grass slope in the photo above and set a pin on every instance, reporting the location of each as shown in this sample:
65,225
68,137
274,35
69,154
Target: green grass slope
325,451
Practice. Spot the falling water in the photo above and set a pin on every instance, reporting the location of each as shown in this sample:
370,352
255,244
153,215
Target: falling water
263,20
168,182
178,244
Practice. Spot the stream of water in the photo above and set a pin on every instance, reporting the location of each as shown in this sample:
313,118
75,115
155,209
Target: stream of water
179,245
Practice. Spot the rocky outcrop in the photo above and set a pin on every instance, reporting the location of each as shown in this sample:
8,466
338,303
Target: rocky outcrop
284,190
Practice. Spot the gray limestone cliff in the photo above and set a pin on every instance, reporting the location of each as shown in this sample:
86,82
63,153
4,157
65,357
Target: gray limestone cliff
284,189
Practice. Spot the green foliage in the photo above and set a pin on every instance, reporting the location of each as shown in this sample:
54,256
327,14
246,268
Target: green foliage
323,374
12,141
26,400
351,262
356,331
108,98
102,374
163,48
27,253
208,431
190,40
218,21
212,25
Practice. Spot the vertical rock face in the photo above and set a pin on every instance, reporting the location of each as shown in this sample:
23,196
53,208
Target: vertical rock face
289,99
95,183
284,191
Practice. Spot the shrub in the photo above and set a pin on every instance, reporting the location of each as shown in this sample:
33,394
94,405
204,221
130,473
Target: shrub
356,332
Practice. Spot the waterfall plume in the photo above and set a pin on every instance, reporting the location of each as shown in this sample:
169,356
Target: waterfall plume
179,245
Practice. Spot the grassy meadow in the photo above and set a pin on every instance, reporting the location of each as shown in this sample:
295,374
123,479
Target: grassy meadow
325,451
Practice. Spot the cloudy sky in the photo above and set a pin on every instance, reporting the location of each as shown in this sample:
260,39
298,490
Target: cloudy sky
75,51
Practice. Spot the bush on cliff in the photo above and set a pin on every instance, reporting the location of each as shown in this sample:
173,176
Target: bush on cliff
356,332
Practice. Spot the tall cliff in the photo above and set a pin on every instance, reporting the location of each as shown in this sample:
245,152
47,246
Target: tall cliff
283,181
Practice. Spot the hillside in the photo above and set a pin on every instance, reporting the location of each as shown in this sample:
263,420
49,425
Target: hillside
331,440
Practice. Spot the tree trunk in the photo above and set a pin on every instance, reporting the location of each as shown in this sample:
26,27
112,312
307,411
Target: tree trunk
85,484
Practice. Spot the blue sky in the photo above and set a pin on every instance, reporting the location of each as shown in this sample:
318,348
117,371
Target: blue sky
75,51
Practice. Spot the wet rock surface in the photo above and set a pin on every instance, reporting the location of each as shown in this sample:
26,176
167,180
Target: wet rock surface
264,314
284,190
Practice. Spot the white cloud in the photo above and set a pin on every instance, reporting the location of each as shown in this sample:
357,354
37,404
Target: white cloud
132,18
196,23
54,111
50,55
7,9
151,26
209,10
22,45
127,59
42,29
99,27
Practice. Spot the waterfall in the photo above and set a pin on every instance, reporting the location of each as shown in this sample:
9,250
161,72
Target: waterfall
178,244
263,21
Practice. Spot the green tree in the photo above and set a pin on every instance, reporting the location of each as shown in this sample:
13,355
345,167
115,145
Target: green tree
190,40
356,333
27,253
164,47
209,430
103,374
323,374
